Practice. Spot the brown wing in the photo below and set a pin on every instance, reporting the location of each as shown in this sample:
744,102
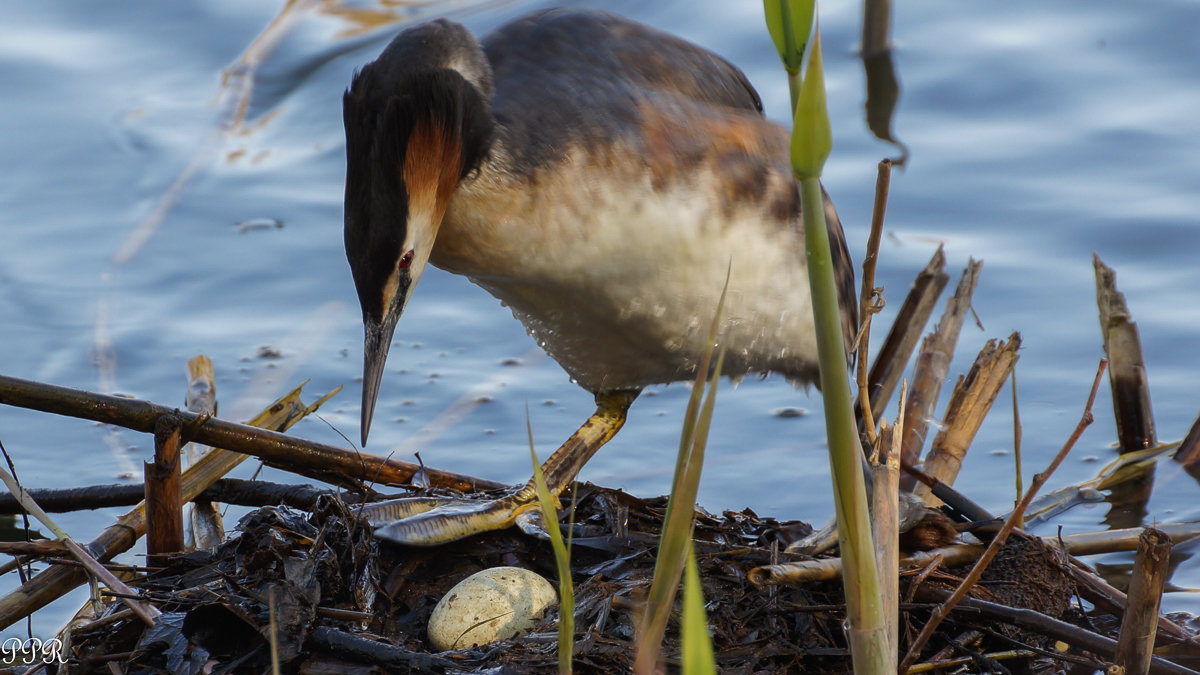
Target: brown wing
575,79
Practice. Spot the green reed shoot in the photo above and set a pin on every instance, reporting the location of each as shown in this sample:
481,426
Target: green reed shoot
810,147
562,559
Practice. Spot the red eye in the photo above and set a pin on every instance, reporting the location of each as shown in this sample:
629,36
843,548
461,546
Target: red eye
406,260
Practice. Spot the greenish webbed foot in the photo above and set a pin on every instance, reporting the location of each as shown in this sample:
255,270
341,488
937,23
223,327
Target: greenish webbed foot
429,521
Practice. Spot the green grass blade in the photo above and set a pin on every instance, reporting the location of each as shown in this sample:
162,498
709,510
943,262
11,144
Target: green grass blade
681,506
562,559
696,643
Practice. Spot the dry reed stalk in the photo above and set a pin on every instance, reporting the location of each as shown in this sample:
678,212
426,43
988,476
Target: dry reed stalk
1126,367
1188,453
933,362
1135,644
970,402
877,26
203,516
885,524
164,493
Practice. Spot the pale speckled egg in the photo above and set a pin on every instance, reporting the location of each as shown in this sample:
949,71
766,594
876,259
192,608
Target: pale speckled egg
488,606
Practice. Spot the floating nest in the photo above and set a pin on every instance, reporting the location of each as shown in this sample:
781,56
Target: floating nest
339,600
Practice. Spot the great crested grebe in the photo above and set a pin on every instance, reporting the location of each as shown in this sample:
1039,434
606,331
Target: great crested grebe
600,178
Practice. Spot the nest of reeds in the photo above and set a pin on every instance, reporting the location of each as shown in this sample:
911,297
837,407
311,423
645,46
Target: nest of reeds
338,600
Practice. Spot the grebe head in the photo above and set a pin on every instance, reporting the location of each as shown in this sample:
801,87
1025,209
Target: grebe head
417,121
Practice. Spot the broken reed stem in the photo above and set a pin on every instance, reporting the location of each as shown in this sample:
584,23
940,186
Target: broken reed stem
994,546
164,493
885,521
1082,543
1188,453
933,362
867,306
1135,644
969,404
307,458
1127,368
1111,541
902,337
206,528
1020,480
1101,594
877,26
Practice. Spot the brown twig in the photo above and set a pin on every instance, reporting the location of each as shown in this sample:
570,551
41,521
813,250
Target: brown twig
957,501
994,546
1100,593
1036,621
37,547
867,305
307,458
85,558
877,26
902,337
952,663
227,490
144,610
358,649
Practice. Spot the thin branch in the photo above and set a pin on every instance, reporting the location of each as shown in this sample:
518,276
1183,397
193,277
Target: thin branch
994,546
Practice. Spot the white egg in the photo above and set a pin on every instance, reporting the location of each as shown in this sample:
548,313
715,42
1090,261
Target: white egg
488,606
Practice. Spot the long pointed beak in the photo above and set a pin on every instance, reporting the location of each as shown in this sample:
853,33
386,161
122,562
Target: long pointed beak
375,351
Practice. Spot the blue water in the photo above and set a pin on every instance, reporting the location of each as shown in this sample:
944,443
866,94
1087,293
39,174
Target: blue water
1038,135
